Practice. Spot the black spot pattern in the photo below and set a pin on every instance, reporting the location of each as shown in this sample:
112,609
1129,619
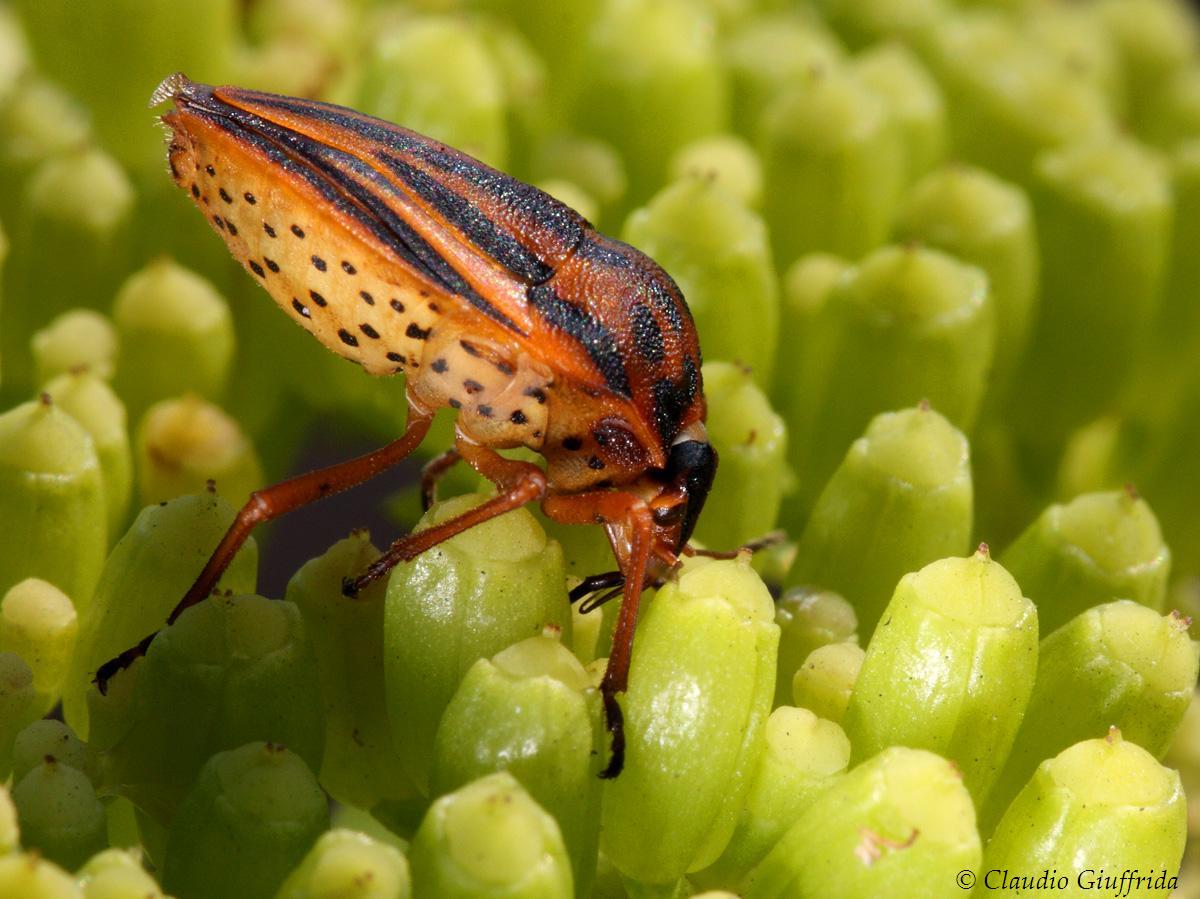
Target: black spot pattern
440,365
347,338
367,298
317,298
257,269
300,308
298,231
417,333
268,229
369,331
318,263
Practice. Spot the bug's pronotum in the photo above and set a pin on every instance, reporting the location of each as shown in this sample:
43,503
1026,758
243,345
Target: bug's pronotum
405,255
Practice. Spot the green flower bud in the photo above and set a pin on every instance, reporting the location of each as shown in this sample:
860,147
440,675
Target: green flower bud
19,704
909,324
899,825
90,401
556,29
825,682
952,671
715,248
915,101
248,672
725,159
864,22
38,623
146,574
531,711
653,84
1006,100
30,876
48,737
329,24
1075,37
79,338
988,223
700,688
51,501
438,76
808,619
464,600
176,336
807,285
1119,665
59,813
1154,39
184,443
38,121
79,199
486,840
249,820
751,441
802,757
832,141
1103,211
10,838
770,53
1097,809
344,864
360,766
591,163
117,874
1096,548
111,58
900,499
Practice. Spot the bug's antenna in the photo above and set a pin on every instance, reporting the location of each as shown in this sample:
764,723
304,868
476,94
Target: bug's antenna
752,546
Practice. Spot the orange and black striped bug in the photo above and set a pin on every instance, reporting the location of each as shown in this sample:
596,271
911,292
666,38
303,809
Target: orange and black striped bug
405,255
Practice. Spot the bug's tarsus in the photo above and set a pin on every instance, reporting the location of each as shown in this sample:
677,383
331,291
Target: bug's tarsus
615,720
594,583
112,667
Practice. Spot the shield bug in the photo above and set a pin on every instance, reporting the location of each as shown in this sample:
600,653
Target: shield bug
407,256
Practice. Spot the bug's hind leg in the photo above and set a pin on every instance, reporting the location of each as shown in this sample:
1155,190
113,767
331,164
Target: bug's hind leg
273,502
517,483
633,515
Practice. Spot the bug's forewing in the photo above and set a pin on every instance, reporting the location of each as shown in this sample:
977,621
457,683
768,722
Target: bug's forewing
497,234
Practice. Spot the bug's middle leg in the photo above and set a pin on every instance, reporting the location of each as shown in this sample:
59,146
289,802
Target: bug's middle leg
518,483
434,470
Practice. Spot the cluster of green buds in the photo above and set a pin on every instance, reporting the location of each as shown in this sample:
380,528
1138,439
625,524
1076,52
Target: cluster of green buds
941,260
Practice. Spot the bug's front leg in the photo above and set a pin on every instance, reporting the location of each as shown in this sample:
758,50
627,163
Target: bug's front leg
632,514
271,503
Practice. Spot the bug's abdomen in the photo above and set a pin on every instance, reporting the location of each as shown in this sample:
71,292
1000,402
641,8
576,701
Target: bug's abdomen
502,394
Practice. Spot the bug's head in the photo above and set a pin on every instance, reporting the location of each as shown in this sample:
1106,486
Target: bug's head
691,467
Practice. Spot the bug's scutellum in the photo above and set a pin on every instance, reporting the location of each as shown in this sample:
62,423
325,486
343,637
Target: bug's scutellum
405,255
